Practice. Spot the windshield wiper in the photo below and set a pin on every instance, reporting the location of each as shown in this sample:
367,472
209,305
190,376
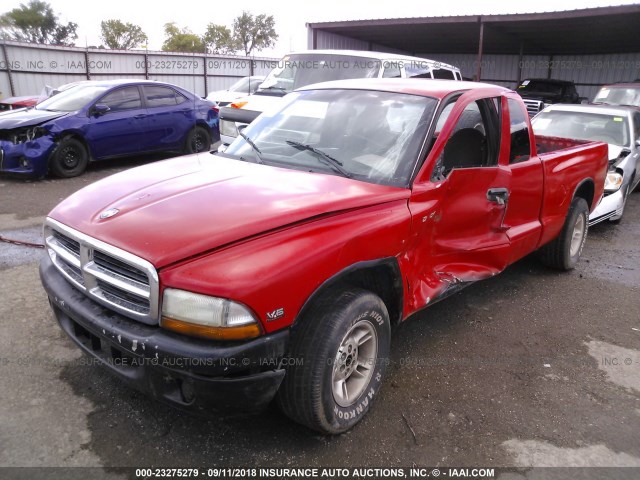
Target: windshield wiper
274,87
327,159
254,146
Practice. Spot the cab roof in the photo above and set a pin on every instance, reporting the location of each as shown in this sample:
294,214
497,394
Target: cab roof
415,86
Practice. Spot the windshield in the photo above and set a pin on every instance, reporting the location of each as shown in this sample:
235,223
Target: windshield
295,71
246,85
613,129
73,99
540,86
365,135
619,96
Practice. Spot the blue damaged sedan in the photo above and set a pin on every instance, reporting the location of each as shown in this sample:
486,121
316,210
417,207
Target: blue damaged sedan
97,120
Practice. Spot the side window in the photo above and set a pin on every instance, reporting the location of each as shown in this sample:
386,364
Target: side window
475,140
417,70
636,126
443,74
160,96
520,144
391,69
125,98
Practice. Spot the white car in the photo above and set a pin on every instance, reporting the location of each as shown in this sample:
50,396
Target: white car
243,87
300,69
616,125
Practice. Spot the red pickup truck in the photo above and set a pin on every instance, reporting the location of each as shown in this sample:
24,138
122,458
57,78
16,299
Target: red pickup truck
276,269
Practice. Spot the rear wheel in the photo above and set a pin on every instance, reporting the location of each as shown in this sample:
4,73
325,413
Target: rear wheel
198,140
69,159
338,354
564,252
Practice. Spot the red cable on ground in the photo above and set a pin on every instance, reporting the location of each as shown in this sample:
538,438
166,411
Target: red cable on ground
21,243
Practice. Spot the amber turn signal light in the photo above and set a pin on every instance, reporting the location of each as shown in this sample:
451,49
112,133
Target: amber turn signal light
242,332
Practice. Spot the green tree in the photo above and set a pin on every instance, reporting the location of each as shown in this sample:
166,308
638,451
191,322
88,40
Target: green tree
254,33
219,39
122,36
181,40
35,22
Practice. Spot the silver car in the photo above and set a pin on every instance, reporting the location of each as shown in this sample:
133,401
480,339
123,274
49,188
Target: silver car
620,128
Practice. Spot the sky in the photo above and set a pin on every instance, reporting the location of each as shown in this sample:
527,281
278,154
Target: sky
290,17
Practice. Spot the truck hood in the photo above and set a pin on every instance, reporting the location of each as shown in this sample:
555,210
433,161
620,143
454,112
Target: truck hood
27,118
172,210
224,96
260,103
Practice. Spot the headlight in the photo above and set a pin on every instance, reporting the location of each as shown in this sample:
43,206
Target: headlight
228,128
613,182
209,317
23,135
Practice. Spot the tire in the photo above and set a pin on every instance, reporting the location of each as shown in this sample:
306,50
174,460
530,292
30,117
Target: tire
339,330
198,140
69,159
564,251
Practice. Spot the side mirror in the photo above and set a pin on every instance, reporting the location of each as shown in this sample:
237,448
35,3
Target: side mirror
100,109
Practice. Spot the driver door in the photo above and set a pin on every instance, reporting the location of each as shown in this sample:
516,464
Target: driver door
459,199
119,130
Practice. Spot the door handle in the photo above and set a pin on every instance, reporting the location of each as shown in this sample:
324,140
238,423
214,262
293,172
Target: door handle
498,195
139,116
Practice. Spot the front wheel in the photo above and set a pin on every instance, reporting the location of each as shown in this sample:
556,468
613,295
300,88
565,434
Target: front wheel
337,359
564,252
198,140
69,159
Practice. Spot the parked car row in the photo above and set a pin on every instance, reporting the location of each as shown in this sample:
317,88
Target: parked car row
95,120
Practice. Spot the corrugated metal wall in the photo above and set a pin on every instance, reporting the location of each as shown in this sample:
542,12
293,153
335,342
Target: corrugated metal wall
587,71
26,68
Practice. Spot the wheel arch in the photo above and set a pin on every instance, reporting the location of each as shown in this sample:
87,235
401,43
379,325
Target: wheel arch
382,277
585,189
76,136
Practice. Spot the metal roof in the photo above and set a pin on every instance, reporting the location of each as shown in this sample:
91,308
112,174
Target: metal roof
573,32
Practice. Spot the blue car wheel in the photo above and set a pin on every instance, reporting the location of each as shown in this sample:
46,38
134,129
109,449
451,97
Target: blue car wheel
198,140
69,159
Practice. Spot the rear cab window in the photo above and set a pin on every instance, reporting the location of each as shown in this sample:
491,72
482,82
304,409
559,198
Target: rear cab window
520,144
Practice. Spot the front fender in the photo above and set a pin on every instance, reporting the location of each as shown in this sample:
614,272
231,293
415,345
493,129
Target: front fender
279,272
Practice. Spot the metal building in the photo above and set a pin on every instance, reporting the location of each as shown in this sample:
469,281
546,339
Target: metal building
590,46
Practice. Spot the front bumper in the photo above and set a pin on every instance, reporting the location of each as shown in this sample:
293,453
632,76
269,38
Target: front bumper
29,158
195,375
610,207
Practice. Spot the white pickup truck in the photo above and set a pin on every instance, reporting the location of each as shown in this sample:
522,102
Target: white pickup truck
297,70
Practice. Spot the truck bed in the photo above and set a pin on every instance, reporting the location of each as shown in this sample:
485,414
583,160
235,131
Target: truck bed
551,144
566,162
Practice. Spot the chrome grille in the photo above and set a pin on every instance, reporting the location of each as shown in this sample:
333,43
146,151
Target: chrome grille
533,106
115,278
